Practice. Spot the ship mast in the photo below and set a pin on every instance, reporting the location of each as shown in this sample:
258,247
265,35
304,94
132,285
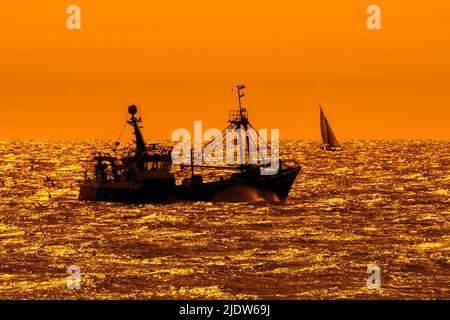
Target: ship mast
242,121
141,148
238,120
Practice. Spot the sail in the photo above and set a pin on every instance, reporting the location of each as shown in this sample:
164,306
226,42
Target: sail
323,127
333,142
328,136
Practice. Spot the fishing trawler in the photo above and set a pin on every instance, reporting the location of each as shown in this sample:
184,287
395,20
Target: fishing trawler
329,141
144,173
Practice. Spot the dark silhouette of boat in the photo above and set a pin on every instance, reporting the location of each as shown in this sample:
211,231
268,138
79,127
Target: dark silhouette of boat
143,174
329,141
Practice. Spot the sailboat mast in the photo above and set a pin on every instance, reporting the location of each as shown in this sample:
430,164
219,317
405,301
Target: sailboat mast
323,126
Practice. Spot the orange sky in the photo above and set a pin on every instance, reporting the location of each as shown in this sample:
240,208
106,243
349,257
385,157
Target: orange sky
179,59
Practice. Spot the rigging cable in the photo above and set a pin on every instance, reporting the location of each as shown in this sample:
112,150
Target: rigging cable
120,136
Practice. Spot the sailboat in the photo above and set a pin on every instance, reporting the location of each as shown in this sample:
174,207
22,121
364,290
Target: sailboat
329,140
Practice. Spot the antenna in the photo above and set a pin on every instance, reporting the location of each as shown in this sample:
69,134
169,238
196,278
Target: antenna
240,95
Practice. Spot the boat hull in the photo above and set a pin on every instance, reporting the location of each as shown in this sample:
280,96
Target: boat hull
272,188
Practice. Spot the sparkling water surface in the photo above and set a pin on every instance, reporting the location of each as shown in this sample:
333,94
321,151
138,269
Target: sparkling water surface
384,203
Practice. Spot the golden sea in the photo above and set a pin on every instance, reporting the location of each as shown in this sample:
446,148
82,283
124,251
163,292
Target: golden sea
383,203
